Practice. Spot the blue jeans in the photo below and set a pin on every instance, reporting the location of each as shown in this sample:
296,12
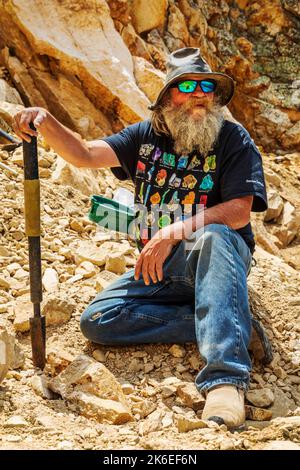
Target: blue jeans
202,298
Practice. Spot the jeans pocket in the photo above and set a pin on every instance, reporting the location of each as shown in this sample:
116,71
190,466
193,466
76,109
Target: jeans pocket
159,286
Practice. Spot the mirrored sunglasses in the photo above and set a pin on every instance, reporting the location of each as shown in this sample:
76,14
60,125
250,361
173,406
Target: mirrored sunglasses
189,86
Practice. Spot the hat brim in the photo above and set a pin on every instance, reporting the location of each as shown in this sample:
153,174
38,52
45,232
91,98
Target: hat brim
224,90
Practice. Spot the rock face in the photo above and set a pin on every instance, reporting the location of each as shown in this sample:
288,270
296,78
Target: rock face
91,68
93,59
93,391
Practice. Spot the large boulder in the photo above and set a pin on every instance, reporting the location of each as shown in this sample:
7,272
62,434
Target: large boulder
93,391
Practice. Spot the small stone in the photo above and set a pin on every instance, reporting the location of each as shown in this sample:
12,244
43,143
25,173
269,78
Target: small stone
39,385
261,397
58,358
23,310
190,396
177,351
86,269
77,226
257,414
13,438
74,279
281,445
185,424
19,357
16,422
4,308
65,445
258,378
45,173
294,300
195,362
7,345
17,158
148,368
168,390
272,378
227,444
115,263
5,283
135,366
50,280
294,379
152,423
127,388
275,206
46,421
98,355
279,372
58,309
104,279
282,404
4,251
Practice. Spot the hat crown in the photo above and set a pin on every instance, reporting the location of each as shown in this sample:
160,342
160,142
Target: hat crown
186,60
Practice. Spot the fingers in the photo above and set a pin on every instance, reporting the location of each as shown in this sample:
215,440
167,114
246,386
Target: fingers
22,120
150,267
39,118
138,267
145,271
159,271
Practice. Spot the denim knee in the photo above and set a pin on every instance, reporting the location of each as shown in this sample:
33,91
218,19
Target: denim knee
90,327
209,234
86,325
216,229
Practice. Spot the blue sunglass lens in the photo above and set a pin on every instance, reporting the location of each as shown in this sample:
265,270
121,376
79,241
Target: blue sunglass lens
189,86
207,86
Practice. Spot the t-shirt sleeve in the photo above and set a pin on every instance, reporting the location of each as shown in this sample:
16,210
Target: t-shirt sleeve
242,170
126,146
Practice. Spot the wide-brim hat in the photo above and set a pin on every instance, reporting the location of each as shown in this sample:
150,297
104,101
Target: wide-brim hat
186,62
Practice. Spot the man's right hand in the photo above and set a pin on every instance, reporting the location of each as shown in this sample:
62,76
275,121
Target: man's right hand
23,118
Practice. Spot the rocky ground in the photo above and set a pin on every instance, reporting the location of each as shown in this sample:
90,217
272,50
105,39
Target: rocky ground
139,397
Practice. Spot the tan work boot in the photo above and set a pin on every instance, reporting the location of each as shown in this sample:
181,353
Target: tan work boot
225,405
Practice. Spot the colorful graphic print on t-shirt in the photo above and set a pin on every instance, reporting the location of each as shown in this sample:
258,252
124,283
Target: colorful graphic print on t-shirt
170,187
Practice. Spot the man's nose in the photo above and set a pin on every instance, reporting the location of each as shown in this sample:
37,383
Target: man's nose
198,90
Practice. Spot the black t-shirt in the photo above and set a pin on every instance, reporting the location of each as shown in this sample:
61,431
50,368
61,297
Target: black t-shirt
170,181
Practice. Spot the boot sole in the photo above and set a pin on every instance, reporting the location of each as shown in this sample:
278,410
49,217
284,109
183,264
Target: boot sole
220,421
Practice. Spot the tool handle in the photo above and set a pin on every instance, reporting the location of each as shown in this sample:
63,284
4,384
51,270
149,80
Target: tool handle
35,271
32,216
30,155
8,137
31,187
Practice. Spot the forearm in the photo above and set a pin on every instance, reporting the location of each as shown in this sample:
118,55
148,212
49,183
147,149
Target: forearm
68,144
234,213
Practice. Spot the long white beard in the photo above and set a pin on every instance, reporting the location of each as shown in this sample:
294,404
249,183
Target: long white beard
192,134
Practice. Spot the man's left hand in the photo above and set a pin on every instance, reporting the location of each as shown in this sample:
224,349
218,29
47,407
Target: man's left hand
154,254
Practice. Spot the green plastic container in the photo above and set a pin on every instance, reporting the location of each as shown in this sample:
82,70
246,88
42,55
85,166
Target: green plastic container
111,214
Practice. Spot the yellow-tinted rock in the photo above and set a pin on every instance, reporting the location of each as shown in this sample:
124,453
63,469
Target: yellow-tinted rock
89,385
115,263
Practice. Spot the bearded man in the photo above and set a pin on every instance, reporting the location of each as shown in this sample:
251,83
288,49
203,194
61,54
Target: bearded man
199,177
